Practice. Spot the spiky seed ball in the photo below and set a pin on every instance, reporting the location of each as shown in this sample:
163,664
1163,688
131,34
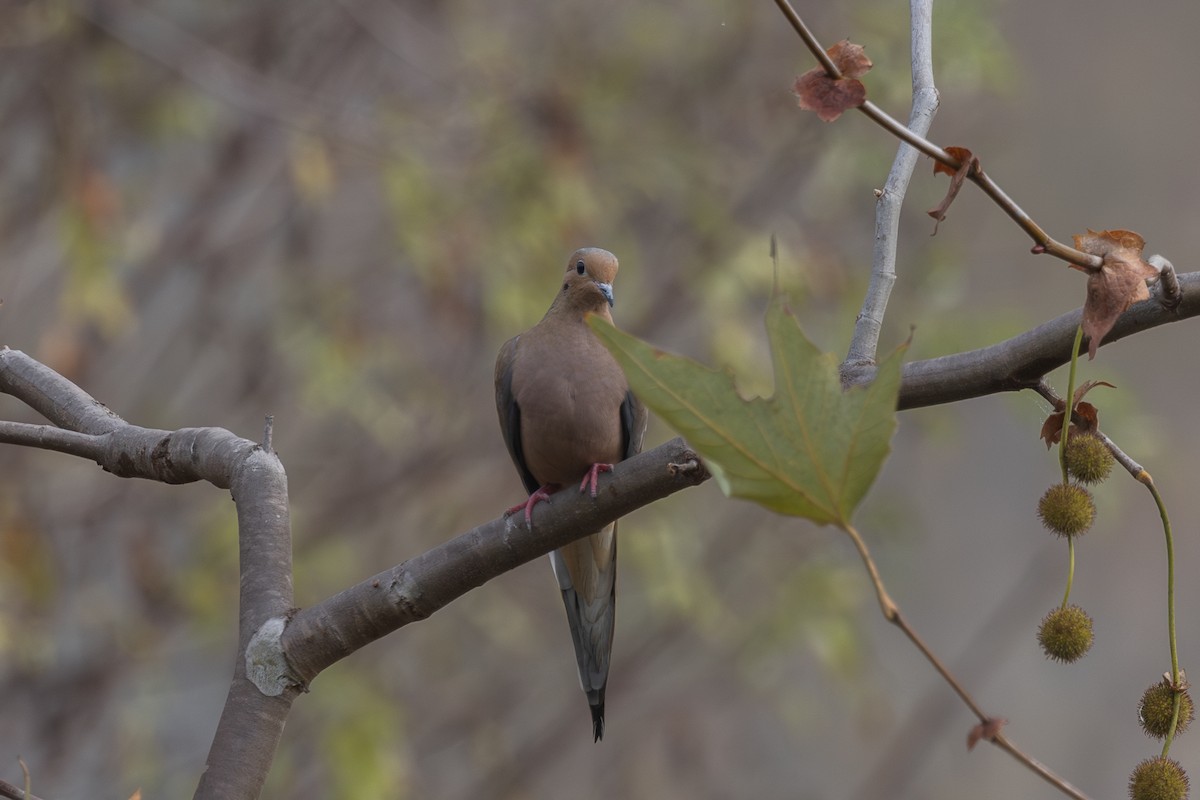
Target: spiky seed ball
1088,459
1158,778
1067,509
1066,634
1158,705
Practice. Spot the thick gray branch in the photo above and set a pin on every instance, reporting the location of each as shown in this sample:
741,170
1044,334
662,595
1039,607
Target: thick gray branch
251,724
1020,362
90,430
335,628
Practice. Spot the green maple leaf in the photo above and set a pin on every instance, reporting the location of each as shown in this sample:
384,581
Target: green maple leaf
811,450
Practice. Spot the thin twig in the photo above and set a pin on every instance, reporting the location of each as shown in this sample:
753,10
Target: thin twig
1051,777
1043,242
7,790
891,612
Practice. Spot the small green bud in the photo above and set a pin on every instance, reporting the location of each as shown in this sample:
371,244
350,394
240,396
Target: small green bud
1088,459
1066,634
1158,778
1158,706
1067,509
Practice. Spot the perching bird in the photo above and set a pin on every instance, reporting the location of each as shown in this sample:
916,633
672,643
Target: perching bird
567,415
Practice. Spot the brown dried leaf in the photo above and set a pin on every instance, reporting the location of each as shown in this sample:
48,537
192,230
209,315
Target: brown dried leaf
829,97
966,162
850,58
1117,284
1052,429
1087,386
1089,416
985,731
960,154
826,97
1104,243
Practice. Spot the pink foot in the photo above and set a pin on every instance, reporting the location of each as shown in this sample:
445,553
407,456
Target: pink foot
541,494
589,478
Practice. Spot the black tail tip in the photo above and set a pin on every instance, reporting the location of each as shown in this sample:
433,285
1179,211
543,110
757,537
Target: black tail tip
598,722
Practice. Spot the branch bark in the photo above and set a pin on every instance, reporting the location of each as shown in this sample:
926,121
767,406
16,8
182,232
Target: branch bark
251,723
1020,362
265,684
412,591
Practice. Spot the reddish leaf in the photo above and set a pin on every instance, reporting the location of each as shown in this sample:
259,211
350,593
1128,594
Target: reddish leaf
1052,429
829,97
1089,415
1117,284
1086,387
966,162
960,154
850,58
986,731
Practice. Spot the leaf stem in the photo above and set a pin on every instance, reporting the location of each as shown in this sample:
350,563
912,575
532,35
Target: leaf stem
1147,480
1166,522
886,604
1178,702
1070,569
891,612
1070,411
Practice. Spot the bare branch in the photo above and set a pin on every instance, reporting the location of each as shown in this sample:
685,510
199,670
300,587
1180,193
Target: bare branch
7,790
865,342
53,396
1020,362
251,724
412,591
48,437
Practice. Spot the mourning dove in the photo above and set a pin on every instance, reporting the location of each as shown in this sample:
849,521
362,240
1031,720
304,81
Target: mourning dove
567,415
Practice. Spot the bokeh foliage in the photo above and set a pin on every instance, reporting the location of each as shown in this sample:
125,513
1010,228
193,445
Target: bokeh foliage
334,213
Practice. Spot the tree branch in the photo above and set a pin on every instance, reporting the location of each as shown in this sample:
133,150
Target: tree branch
333,629
1020,362
12,792
865,342
248,732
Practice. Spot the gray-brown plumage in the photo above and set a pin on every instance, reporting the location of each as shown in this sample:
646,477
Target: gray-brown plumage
567,414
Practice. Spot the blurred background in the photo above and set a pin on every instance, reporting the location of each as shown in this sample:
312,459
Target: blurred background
335,212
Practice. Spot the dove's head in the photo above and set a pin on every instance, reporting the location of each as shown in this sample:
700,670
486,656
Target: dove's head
587,285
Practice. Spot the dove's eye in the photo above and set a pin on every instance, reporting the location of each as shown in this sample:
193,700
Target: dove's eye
579,266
